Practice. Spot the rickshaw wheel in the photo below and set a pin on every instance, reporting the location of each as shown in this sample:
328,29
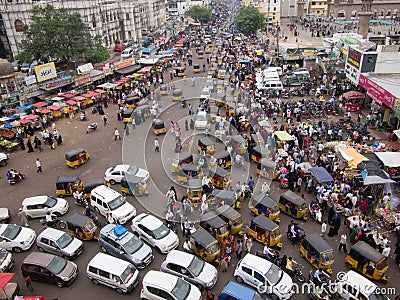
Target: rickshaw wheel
348,265
119,291
384,281
239,279
302,255
95,282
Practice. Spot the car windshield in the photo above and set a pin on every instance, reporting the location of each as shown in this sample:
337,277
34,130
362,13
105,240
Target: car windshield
50,202
132,170
116,203
128,273
133,245
201,118
196,266
160,232
181,289
12,231
273,274
64,240
57,265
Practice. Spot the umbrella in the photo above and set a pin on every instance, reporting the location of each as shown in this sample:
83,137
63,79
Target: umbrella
44,111
39,104
54,107
71,102
24,121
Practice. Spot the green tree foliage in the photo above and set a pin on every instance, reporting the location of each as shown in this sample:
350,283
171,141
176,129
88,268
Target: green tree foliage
59,34
249,19
201,13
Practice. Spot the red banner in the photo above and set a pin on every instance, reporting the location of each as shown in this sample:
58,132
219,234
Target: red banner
375,91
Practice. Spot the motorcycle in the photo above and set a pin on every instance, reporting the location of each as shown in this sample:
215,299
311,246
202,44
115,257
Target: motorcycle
91,127
16,178
79,200
298,274
95,219
323,294
315,211
297,238
83,116
183,103
54,223
275,258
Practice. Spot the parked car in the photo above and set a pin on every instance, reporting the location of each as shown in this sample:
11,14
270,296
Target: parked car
25,67
16,238
127,52
155,233
39,206
4,215
119,48
115,174
59,243
6,261
3,159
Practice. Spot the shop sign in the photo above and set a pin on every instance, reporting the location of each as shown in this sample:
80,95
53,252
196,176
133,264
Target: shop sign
45,72
377,92
124,64
82,79
29,80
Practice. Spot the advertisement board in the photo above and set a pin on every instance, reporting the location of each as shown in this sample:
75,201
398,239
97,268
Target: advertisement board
45,72
376,92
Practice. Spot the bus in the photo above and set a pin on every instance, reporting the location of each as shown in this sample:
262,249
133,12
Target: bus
149,51
274,69
297,78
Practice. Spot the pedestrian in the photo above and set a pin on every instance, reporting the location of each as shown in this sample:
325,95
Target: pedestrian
191,124
386,251
239,249
38,166
343,242
127,129
251,183
104,120
223,263
249,244
23,218
156,145
323,229
186,125
116,135
29,145
28,283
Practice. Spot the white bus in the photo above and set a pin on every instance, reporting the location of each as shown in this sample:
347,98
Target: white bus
274,69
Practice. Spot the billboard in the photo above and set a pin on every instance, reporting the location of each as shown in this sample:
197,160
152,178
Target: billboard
353,65
45,72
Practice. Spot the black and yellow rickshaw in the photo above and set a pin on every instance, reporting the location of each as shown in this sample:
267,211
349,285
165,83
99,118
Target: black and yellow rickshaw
184,158
204,245
221,73
180,71
127,116
262,204
143,109
220,178
82,227
131,101
67,185
194,191
196,68
219,197
133,185
230,107
231,217
292,204
256,139
220,87
207,50
265,231
238,143
188,171
223,159
177,95
206,145
265,168
317,251
211,222
164,90
75,158
89,185
200,54
368,261
220,99
158,127
213,71
214,111
258,152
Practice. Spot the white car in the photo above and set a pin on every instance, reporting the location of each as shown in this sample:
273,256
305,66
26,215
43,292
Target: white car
16,238
201,120
155,232
128,52
6,261
115,174
38,206
205,94
4,215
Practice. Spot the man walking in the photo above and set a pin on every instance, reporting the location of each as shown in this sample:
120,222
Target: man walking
156,145
38,166
323,229
28,283
23,218
343,242
116,135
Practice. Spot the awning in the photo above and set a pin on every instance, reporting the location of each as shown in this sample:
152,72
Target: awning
54,107
31,117
353,95
99,91
24,121
321,174
283,136
128,70
376,180
389,159
352,157
71,102
96,75
90,94
79,98
107,86
5,279
44,111
39,104
69,95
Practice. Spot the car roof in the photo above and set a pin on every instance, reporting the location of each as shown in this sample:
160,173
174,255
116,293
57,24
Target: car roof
121,168
108,230
235,289
179,257
150,221
34,200
52,232
365,284
39,258
109,263
256,261
158,278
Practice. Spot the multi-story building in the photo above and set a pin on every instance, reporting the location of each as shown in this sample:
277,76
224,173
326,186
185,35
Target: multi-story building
317,8
113,20
271,8
179,7
288,8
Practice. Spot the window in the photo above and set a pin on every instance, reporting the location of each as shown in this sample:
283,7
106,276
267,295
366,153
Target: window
165,295
247,270
173,267
93,270
258,276
153,290
104,274
32,268
127,16
274,8
19,26
94,21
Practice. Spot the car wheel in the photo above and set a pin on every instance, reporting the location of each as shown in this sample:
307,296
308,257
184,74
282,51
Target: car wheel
3,163
103,249
239,279
59,284
96,209
40,249
17,249
57,214
95,282
62,225
158,250
28,217
112,181
119,291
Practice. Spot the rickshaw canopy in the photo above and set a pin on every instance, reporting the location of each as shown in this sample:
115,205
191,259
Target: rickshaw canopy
292,198
367,251
321,174
224,195
212,219
266,163
227,211
67,179
130,179
317,242
205,141
264,200
238,139
78,220
188,168
163,88
264,223
127,113
91,184
203,237
216,170
177,92
72,153
194,184
158,124
283,136
260,149
257,138
185,157
222,154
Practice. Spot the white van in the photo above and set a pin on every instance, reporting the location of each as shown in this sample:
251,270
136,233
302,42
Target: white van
105,200
274,69
270,85
128,52
265,276
201,121
112,272
272,76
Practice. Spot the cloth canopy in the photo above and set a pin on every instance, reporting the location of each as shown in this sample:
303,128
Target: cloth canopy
54,107
24,121
44,111
389,159
373,179
352,157
283,136
31,117
321,174
5,279
373,166
353,95
107,86
39,104
90,94
71,102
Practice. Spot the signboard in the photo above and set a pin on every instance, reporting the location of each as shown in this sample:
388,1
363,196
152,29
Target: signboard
376,92
29,80
354,58
45,72
353,65
124,64
85,68
82,79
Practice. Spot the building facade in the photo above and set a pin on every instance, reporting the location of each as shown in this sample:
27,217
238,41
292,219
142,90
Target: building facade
271,9
317,8
348,10
288,8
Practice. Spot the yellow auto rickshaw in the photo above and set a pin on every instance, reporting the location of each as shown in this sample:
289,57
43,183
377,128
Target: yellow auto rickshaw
184,158
131,101
292,204
238,143
207,50
220,87
164,90
258,152
127,116
204,245
177,95
196,68
220,99
133,185
262,204
265,231
82,227
214,112
265,168
223,159
317,251
75,158
194,191
89,185
220,178
212,223
368,261
200,54
187,172
158,127
206,145
221,73
232,217
256,139
67,185
180,71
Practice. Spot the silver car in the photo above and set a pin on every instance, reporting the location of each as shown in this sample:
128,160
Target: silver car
59,243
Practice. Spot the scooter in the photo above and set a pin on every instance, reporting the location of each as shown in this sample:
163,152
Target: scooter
91,127
83,116
54,223
17,178
79,200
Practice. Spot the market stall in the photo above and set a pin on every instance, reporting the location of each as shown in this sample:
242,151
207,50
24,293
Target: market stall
282,137
321,175
391,162
353,101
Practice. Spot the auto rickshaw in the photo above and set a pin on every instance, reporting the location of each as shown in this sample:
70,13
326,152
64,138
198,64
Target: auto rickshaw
206,145
207,50
180,71
293,205
258,152
238,143
131,101
262,204
220,178
368,261
204,245
223,159
196,68
232,217
133,185
144,108
158,127
265,231
184,158
67,185
212,223
214,111
220,99
82,227
89,185
75,158
318,252
200,54
218,198
194,191
164,90
177,95
187,172
127,116
220,86
265,168
221,73
256,139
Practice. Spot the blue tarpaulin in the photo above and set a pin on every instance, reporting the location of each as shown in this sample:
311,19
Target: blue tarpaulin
321,174
244,61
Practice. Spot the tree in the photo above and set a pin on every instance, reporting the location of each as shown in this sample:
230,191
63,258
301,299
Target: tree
249,19
201,13
59,34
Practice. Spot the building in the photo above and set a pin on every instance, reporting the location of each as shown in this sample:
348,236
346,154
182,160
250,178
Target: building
348,10
288,8
113,20
317,8
271,8
177,7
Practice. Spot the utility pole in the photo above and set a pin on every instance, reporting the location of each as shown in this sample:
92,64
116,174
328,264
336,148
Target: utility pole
268,12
